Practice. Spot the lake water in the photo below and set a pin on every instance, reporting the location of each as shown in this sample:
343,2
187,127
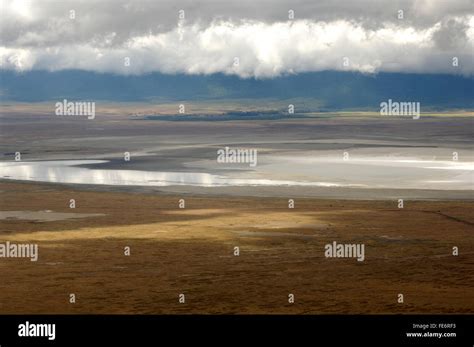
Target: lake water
69,171
403,173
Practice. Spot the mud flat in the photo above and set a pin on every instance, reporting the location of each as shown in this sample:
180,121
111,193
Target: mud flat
388,158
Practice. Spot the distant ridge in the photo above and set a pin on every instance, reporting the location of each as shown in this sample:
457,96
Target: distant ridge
334,90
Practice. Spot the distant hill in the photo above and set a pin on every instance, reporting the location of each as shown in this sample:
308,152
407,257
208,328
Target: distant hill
334,90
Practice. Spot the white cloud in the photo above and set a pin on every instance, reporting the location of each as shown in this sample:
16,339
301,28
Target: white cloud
264,47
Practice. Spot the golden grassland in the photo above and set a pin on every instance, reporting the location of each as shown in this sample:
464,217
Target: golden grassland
191,251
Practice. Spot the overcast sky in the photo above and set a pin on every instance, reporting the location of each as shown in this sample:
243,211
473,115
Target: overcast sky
249,38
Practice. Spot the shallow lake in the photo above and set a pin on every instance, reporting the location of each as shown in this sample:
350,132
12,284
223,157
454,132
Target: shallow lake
323,172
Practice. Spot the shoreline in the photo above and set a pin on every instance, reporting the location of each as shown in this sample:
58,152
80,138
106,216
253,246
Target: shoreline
324,193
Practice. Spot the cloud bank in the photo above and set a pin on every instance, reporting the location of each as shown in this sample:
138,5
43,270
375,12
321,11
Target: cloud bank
259,39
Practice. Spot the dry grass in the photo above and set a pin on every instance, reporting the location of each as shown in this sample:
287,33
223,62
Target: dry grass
190,251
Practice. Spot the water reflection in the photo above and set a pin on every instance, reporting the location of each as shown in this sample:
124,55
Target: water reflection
406,174
68,171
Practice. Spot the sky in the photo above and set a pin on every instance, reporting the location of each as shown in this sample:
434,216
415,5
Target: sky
246,38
